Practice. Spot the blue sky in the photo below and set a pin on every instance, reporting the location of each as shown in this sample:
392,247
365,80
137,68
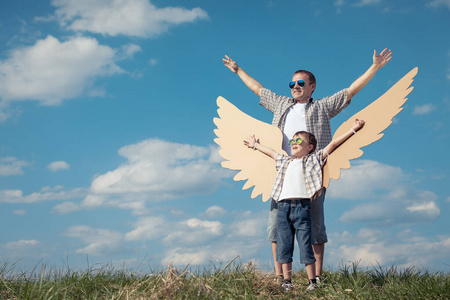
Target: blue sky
106,129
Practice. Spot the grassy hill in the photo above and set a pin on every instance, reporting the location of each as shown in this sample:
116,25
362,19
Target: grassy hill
234,281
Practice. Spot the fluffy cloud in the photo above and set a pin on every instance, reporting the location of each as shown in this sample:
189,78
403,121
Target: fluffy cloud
11,166
386,192
423,109
187,241
100,241
147,228
122,17
214,212
373,246
366,2
58,166
157,170
51,71
17,196
439,3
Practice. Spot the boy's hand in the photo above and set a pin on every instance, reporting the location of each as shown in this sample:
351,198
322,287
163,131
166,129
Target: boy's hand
250,141
230,64
358,124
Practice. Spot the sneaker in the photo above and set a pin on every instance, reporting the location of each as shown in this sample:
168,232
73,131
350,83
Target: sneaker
287,286
319,280
312,287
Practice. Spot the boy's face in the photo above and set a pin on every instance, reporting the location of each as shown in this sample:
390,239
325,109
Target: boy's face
302,149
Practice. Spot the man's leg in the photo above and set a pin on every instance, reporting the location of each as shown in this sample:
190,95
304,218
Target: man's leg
318,230
278,268
271,235
319,250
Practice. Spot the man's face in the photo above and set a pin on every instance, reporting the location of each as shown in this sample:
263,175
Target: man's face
302,93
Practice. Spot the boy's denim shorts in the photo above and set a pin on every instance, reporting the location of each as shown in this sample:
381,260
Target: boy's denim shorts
294,221
319,231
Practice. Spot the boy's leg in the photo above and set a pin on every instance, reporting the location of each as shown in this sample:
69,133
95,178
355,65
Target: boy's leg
271,235
287,270
318,230
278,268
302,225
285,238
311,271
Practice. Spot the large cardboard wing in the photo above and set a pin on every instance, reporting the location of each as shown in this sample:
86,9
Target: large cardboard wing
233,126
378,116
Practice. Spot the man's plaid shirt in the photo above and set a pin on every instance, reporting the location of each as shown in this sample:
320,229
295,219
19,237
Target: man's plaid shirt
312,173
317,113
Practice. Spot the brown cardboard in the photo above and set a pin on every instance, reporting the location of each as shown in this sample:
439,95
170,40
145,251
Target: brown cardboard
233,126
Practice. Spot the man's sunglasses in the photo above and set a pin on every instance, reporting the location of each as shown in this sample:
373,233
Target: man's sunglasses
297,141
300,83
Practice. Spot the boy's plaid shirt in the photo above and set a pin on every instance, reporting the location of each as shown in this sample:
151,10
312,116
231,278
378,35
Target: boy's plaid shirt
312,173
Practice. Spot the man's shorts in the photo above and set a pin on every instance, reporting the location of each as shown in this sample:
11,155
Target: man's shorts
318,229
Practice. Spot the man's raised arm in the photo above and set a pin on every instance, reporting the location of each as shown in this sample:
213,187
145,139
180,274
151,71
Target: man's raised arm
251,83
378,62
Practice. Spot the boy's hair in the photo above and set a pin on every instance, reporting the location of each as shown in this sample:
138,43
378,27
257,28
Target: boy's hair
310,138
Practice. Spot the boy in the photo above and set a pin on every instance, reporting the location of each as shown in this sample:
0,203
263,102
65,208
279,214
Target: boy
298,180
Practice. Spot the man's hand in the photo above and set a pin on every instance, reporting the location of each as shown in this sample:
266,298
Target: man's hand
382,59
230,64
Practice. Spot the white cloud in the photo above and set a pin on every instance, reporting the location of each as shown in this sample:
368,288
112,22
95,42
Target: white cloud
386,194
100,241
366,2
123,17
66,207
20,212
21,245
424,109
11,166
158,170
16,196
193,232
364,179
147,228
404,249
51,71
214,212
438,3
58,166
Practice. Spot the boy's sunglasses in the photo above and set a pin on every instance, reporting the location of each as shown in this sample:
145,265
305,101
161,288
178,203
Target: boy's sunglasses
300,83
297,141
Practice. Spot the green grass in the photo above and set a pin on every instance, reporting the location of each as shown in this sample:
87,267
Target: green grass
234,281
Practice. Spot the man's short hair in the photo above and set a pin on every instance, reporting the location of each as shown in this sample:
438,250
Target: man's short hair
312,78
310,138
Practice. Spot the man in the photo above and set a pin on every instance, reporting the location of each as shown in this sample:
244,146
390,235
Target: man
302,113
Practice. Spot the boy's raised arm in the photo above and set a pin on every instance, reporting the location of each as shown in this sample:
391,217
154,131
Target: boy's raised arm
249,81
251,142
336,142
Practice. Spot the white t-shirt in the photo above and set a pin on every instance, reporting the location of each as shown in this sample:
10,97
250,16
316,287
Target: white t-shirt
294,182
295,121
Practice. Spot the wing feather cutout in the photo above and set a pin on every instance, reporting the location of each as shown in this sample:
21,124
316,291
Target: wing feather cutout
233,126
377,116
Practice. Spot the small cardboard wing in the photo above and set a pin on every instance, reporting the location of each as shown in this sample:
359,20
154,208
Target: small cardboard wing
377,116
233,126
